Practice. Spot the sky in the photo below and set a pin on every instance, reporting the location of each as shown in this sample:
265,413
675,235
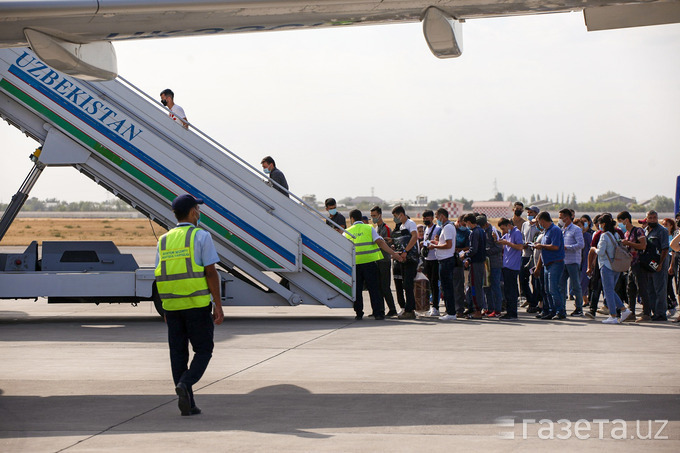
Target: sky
536,104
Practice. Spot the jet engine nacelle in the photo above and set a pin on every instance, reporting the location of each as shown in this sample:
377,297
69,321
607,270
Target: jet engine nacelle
444,34
91,61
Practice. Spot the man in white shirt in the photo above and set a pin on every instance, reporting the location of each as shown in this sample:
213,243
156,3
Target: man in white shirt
445,250
573,247
529,232
430,264
176,112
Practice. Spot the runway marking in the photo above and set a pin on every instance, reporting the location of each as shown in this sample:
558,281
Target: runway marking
103,326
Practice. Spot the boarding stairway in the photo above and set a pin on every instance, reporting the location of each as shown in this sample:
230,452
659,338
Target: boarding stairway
277,250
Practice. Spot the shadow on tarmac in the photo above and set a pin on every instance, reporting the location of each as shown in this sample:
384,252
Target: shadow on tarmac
152,328
16,326
294,410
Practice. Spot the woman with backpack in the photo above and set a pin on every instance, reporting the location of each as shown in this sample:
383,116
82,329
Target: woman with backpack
606,249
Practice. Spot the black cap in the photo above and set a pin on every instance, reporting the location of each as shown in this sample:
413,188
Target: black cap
185,202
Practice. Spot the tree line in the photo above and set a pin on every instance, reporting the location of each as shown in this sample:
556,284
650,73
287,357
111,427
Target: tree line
54,205
600,203
659,203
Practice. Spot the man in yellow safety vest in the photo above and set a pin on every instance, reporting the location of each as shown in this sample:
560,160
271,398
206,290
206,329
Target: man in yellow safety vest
186,279
367,244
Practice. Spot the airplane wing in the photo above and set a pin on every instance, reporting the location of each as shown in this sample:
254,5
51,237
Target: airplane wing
75,36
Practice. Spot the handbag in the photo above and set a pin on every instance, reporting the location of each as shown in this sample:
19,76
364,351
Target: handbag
622,258
420,286
424,251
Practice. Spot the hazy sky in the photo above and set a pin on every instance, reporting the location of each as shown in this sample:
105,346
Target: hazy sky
536,102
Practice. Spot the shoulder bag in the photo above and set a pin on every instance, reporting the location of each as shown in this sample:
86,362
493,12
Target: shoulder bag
622,258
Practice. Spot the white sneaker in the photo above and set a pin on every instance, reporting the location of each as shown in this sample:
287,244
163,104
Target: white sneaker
433,312
448,318
672,312
610,320
625,314
401,312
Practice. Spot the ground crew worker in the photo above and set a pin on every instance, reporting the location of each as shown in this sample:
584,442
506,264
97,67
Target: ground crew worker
367,243
186,279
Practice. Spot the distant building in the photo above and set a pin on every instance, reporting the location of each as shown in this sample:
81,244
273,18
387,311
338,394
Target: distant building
421,200
541,204
367,200
618,199
455,208
493,209
399,202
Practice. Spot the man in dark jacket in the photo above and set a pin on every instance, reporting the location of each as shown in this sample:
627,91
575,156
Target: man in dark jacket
657,280
477,257
494,252
276,175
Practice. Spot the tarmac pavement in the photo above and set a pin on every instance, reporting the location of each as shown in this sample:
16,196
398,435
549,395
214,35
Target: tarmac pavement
86,378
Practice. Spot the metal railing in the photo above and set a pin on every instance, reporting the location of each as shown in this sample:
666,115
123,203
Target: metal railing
233,155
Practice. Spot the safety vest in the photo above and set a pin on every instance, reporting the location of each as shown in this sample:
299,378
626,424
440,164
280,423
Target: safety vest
365,249
180,281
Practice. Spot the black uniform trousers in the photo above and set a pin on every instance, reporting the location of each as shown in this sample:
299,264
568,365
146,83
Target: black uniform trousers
368,273
195,326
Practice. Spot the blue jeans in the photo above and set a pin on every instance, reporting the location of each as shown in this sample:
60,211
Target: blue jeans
446,282
573,272
609,278
548,307
553,277
493,295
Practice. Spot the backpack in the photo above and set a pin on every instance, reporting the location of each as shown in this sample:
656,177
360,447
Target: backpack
401,238
650,257
622,258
